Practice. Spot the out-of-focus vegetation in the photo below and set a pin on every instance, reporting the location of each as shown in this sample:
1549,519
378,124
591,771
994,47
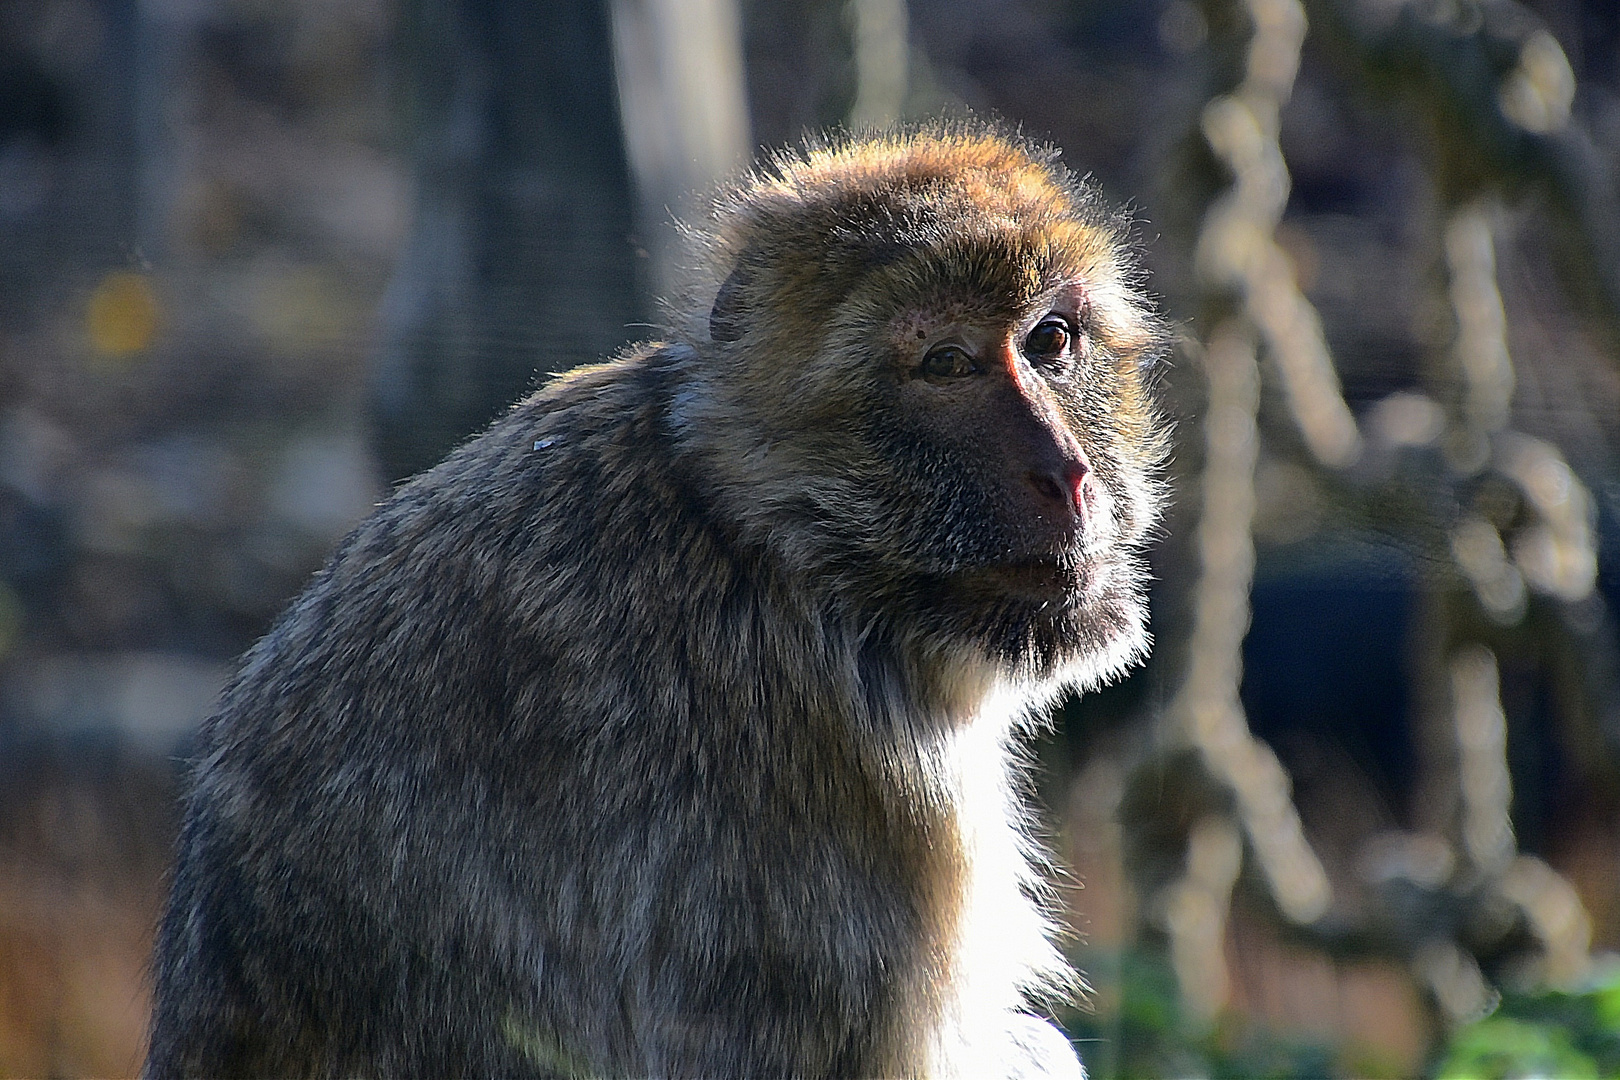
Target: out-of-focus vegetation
1568,1033
1360,815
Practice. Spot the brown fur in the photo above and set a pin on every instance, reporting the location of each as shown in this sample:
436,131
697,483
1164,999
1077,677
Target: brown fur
665,729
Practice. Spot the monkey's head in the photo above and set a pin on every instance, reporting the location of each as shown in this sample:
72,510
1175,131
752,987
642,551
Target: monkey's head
921,382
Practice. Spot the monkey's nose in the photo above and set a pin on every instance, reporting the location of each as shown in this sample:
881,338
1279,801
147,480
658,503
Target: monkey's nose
1064,486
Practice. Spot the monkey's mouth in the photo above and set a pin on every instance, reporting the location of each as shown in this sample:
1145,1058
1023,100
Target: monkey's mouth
1063,581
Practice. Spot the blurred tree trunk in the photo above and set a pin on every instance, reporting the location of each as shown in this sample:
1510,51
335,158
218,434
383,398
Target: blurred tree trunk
685,113
521,260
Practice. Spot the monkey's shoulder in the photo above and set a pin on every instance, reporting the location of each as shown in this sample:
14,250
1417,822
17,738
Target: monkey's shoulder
580,472
560,546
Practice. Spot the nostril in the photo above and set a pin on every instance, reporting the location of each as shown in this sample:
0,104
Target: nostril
1048,487
1066,487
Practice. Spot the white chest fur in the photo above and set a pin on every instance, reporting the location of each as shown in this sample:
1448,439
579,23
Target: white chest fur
1002,946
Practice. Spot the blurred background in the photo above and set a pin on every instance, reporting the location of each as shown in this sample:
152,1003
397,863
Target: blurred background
1360,815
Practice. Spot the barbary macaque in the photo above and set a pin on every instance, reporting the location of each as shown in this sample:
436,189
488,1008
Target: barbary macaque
669,727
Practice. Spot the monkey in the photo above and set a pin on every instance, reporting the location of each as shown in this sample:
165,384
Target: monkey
673,726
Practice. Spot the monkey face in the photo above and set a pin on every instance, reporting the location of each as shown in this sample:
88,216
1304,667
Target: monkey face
1017,505
925,373
995,388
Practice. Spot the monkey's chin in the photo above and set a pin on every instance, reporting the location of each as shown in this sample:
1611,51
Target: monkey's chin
1073,625
1107,638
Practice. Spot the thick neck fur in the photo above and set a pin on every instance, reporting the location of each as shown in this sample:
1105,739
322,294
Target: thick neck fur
961,706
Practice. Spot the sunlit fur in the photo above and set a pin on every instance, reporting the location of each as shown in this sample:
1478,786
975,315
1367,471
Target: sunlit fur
668,728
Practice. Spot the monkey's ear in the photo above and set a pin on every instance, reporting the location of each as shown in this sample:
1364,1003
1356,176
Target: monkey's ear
726,318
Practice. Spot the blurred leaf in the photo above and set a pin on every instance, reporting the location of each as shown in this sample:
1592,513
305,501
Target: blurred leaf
1548,1033
1502,1048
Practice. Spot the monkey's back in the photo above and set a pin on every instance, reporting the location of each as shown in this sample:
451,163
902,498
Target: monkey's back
546,773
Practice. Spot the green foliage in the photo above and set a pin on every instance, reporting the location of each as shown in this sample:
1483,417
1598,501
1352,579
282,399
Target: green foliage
1138,1029
1570,1035
1502,1048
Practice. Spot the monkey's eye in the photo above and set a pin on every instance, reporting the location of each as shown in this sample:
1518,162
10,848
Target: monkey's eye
947,362
1049,342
